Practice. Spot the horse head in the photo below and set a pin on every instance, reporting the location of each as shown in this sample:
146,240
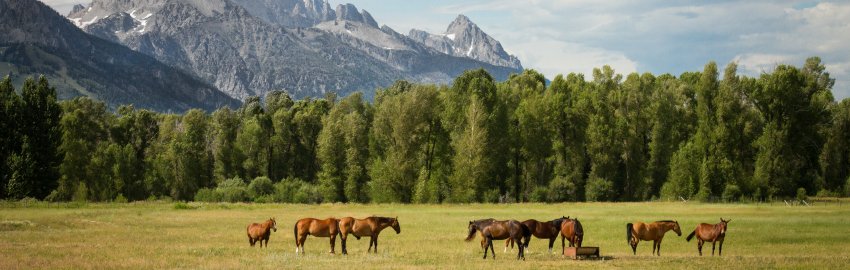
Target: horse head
395,225
273,224
472,228
676,228
723,224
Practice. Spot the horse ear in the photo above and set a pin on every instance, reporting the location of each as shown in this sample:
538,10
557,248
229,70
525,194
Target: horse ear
470,222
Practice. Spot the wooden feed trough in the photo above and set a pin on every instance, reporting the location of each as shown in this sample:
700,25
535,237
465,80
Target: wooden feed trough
575,252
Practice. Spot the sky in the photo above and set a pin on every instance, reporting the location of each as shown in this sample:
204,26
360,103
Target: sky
564,36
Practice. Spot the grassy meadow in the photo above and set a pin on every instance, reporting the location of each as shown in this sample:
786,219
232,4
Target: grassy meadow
194,235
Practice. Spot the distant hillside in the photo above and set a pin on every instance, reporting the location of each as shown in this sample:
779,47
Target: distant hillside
35,40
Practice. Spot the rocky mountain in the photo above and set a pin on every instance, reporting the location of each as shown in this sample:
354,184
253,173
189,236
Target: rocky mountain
35,40
463,38
290,13
250,47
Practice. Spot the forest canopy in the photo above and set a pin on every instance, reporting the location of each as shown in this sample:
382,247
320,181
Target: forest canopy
711,135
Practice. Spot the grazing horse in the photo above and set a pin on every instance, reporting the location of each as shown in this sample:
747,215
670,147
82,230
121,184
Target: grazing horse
500,230
650,232
712,233
543,230
571,230
260,232
370,226
315,227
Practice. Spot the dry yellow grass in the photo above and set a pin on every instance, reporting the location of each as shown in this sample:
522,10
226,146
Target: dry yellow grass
158,235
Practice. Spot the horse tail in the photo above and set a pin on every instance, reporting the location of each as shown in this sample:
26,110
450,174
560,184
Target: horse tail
629,233
526,233
691,235
295,233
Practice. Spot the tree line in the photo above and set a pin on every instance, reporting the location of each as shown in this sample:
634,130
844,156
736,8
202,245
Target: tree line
702,135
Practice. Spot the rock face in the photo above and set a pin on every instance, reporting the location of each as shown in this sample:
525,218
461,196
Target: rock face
249,47
290,13
463,38
36,40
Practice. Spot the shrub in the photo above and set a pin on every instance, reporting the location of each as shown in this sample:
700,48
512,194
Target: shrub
264,199
828,193
491,196
285,190
207,195
731,193
81,194
801,194
261,186
120,198
599,189
538,194
183,206
233,194
561,190
308,193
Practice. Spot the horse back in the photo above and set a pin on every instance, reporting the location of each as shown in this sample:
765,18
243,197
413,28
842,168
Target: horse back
346,224
501,230
643,231
708,232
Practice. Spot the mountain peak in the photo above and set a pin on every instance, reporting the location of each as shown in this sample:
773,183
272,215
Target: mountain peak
349,12
460,23
77,8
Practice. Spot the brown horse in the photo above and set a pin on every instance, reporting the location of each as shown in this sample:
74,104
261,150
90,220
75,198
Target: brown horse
370,226
543,230
318,228
571,230
650,232
500,230
260,232
712,233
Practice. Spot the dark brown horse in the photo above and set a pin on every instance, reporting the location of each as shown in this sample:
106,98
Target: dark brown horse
370,226
710,233
650,232
500,230
260,232
318,228
572,231
543,230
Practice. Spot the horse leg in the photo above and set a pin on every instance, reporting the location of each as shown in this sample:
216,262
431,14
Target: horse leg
376,243
552,243
699,246
333,244
486,246
510,242
654,244
343,239
490,243
720,250
658,252
521,252
713,245
563,245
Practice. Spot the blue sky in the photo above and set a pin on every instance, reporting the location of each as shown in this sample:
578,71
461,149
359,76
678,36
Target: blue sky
558,37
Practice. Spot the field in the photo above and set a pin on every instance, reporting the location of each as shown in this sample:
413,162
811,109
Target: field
176,235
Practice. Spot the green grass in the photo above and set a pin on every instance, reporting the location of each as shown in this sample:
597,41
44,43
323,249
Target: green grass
169,235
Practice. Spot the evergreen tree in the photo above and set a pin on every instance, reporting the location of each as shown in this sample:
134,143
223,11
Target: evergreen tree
10,138
36,168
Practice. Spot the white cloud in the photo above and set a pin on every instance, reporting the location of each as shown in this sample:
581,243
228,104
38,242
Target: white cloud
555,57
755,64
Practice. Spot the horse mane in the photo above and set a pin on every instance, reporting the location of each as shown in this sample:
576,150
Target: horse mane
577,228
670,221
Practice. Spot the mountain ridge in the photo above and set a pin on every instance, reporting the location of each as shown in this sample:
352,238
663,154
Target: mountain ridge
247,48
39,41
